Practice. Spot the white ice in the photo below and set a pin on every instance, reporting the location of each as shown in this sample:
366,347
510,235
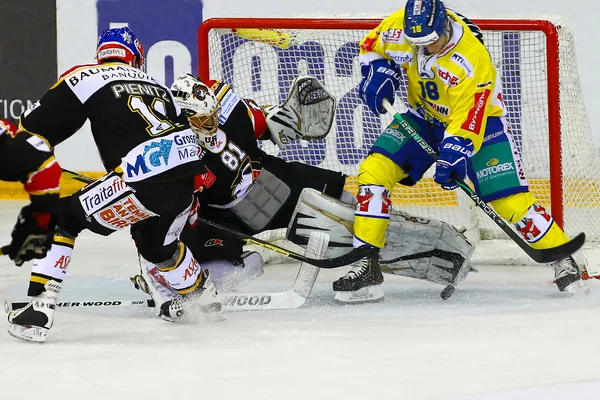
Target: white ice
505,334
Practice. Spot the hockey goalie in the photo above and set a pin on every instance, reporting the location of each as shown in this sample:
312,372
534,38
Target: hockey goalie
248,190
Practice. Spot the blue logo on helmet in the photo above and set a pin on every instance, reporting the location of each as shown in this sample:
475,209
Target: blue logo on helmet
424,21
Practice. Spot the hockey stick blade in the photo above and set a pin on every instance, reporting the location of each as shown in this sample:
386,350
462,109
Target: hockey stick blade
557,253
327,263
543,256
285,300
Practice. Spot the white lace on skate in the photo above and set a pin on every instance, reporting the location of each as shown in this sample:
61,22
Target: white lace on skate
564,267
358,268
366,294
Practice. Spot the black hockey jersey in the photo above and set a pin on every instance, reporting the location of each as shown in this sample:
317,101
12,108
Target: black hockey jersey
235,162
138,127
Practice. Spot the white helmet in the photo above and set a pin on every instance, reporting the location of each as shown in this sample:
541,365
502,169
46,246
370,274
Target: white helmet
199,104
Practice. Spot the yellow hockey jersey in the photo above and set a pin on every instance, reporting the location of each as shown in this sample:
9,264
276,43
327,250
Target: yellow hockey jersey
458,88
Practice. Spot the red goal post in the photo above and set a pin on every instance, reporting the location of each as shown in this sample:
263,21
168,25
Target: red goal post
259,57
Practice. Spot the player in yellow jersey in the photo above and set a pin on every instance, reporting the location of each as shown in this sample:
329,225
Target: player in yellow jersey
455,104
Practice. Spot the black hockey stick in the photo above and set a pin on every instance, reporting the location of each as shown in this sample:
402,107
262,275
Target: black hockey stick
549,255
345,259
327,263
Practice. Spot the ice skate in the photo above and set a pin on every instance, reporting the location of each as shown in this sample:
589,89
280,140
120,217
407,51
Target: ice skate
32,322
204,303
567,276
362,284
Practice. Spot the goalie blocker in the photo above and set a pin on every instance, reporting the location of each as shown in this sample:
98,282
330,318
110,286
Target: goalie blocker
420,248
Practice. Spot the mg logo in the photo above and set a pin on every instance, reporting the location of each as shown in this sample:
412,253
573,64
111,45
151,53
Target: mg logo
155,154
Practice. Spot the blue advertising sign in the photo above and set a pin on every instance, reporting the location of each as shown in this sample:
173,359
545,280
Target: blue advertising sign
167,29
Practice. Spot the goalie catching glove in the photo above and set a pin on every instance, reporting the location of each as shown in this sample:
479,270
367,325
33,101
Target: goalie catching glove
306,114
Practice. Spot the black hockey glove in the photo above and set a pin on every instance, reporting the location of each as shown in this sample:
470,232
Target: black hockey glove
31,236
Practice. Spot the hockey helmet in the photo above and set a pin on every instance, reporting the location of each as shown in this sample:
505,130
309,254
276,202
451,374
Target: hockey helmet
200,106
424,21
121,44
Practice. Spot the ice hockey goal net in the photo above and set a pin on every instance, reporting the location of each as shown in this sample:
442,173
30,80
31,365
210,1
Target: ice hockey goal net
259,58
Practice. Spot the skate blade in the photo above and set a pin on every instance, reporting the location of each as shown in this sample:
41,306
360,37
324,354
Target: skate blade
369,294
34,334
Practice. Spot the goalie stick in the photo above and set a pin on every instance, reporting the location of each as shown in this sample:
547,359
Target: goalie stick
543,256
295,297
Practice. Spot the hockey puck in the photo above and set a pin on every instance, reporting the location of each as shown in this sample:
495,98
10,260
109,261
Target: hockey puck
447,292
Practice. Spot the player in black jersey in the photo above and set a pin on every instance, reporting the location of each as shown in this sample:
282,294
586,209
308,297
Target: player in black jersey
145,141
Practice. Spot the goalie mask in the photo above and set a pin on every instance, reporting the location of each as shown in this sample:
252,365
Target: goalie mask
200,106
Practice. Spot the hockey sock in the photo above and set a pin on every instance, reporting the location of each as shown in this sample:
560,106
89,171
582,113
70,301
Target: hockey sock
53,266
377,176
183,273
534,223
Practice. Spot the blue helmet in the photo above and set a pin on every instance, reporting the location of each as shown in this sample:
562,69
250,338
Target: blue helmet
424,21
120,44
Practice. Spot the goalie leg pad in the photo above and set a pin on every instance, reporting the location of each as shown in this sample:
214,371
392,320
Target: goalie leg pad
426,249
421,248
263,201
318,212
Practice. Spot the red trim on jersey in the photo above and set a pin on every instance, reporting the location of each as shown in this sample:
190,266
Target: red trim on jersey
475,118
45,179
259,120
7,127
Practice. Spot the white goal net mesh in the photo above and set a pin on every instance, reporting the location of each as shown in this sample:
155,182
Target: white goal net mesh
260,58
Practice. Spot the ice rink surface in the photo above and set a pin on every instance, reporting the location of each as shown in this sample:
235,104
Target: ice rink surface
505,334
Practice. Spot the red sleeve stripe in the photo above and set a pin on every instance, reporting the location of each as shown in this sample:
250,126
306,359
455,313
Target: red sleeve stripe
46,180
258,118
